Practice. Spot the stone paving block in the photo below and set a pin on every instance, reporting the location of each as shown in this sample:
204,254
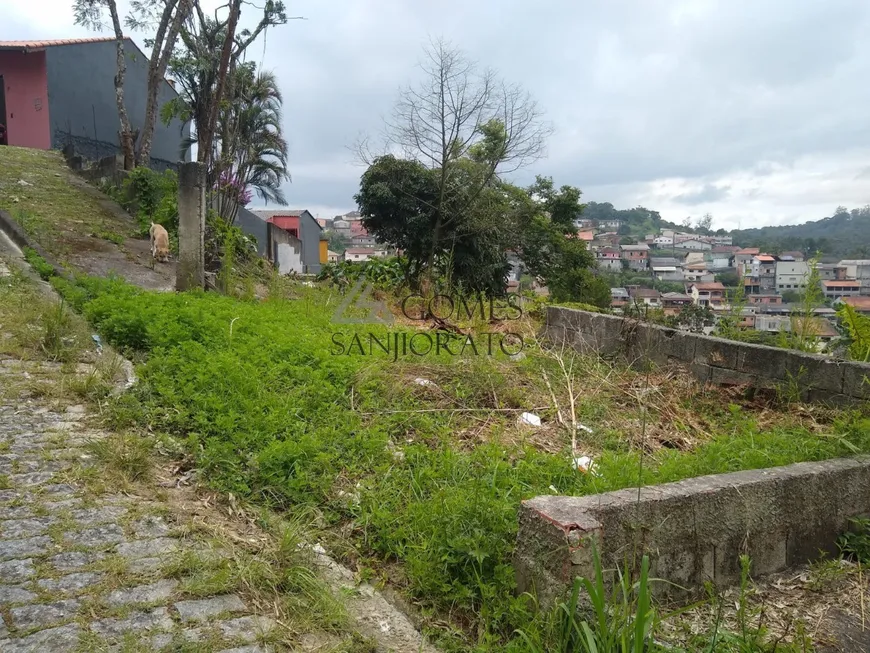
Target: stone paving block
15,571
246,629
43,615
72,583
72,560
97,536
15,594
151,526
16,512
144,565
64,639
62,505
90,516
203,609
250,648
59,490
33,478
30,546
20,466
19,528
156,619
147,548
162,640
152,593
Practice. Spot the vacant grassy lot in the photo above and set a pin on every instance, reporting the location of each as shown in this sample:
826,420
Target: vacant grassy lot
419,483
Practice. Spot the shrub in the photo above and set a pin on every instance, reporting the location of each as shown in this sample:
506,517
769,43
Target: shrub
152,197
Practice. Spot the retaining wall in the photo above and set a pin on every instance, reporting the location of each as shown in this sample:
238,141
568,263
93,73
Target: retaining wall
815,377
694,530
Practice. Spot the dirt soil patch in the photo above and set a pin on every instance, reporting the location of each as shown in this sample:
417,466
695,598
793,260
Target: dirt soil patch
77,224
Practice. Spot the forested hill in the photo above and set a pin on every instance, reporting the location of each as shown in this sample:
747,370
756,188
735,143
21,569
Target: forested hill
638,220
846,234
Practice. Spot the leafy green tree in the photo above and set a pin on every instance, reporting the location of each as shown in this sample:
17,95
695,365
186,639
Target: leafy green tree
337,242
468,128
253,151
205,71
397,199
692,317
549,249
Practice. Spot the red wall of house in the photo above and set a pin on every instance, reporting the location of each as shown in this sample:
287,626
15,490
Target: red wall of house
288,223
26,86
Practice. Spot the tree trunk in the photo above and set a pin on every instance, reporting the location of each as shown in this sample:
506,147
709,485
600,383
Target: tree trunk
206,140
126,134
164,43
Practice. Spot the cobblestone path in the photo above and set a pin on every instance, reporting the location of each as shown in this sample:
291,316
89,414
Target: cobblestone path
84,573
88,571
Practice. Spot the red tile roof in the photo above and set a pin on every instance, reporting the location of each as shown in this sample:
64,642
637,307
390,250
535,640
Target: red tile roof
37,45
858,303
713,285
840,284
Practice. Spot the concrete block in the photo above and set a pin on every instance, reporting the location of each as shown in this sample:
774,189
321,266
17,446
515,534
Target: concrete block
725,376
678,346
694,530
191,227
717,352
856,380
814,371
701,372
764,362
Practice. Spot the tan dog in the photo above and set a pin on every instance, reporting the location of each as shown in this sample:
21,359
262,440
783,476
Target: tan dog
159,244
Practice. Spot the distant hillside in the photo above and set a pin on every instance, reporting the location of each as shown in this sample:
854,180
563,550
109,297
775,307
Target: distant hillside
846,234
638,220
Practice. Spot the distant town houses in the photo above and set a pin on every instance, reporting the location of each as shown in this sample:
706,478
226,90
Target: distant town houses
636,257
359,254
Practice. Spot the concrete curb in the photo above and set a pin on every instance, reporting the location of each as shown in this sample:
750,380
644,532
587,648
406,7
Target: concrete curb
694,530
18,236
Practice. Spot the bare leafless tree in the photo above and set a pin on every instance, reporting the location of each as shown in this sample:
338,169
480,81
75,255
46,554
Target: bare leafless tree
458,112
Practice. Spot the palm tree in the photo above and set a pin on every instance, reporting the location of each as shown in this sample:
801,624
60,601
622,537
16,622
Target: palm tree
253,152
249,150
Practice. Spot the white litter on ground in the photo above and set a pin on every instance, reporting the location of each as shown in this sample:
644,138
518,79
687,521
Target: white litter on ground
529,419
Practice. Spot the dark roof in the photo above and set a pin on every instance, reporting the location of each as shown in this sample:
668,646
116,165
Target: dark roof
645,292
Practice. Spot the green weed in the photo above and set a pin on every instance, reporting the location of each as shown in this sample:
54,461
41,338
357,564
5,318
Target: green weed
855,543
620,619
427,477
42,267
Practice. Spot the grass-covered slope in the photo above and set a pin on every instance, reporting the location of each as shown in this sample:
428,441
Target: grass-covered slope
74,222
420,484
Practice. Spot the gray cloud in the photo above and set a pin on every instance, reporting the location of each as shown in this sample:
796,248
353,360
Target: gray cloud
708,193
651,99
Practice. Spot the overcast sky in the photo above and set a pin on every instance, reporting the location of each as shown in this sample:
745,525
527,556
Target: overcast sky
756,111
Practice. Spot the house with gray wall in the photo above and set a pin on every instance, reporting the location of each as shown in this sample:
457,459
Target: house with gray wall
304,227
62,92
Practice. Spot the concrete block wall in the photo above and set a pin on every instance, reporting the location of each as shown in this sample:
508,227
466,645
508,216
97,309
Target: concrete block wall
817,378
694,530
